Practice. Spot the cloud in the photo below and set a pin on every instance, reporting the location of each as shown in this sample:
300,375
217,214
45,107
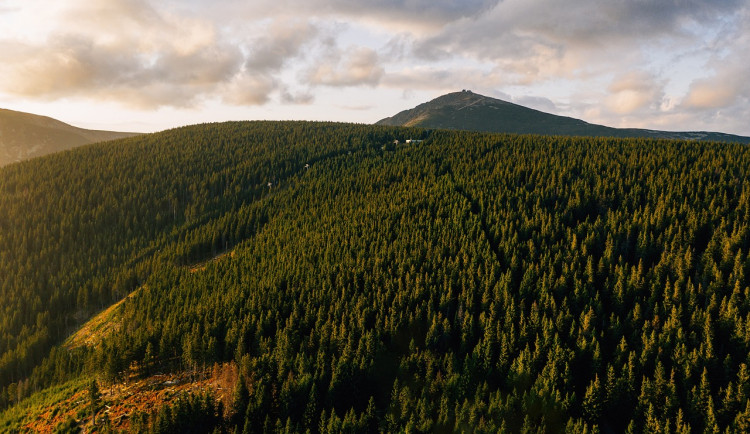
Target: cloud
304,97
592,22
403,12
633,91
280,42
537,102
268,54
357,107
130,52
535,40
727,84
720,102
70,66
711,93
722,97
123,50
352,67
416,11
248,89
448,78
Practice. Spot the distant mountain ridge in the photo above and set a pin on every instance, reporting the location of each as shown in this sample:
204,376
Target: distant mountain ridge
25,135
466,110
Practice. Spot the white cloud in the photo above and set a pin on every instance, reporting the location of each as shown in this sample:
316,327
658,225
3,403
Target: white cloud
279,42
248,89
634,91
712,93
351,67
418,13
138,55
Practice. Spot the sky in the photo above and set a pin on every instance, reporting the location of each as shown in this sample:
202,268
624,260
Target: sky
147,65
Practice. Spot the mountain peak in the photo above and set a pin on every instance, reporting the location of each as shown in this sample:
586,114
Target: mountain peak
464,95
466,110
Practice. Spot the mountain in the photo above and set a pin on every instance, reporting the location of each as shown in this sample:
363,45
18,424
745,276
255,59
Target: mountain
25,135
466,110
317,276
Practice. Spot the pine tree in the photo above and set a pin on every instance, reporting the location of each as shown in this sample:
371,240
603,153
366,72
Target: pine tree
240,400
592,401
95,397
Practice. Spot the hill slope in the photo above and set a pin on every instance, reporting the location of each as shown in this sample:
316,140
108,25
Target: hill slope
469,281
473,112
24,136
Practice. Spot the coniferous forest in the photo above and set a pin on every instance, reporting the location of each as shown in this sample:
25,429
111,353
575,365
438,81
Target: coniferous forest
465,283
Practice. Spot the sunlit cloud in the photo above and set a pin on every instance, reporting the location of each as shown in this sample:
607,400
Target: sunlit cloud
350,67
711,94
633,91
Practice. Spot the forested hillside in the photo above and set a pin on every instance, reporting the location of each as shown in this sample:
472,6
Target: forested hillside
469,282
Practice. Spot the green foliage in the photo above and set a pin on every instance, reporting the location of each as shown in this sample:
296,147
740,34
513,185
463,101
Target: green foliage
95,400
470,282
193,414
70,426
26,411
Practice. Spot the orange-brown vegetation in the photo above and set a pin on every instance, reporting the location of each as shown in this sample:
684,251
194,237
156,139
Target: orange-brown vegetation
122,400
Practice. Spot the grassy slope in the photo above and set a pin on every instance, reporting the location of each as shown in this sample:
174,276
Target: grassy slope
48,409
45,409
98,327
24,136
